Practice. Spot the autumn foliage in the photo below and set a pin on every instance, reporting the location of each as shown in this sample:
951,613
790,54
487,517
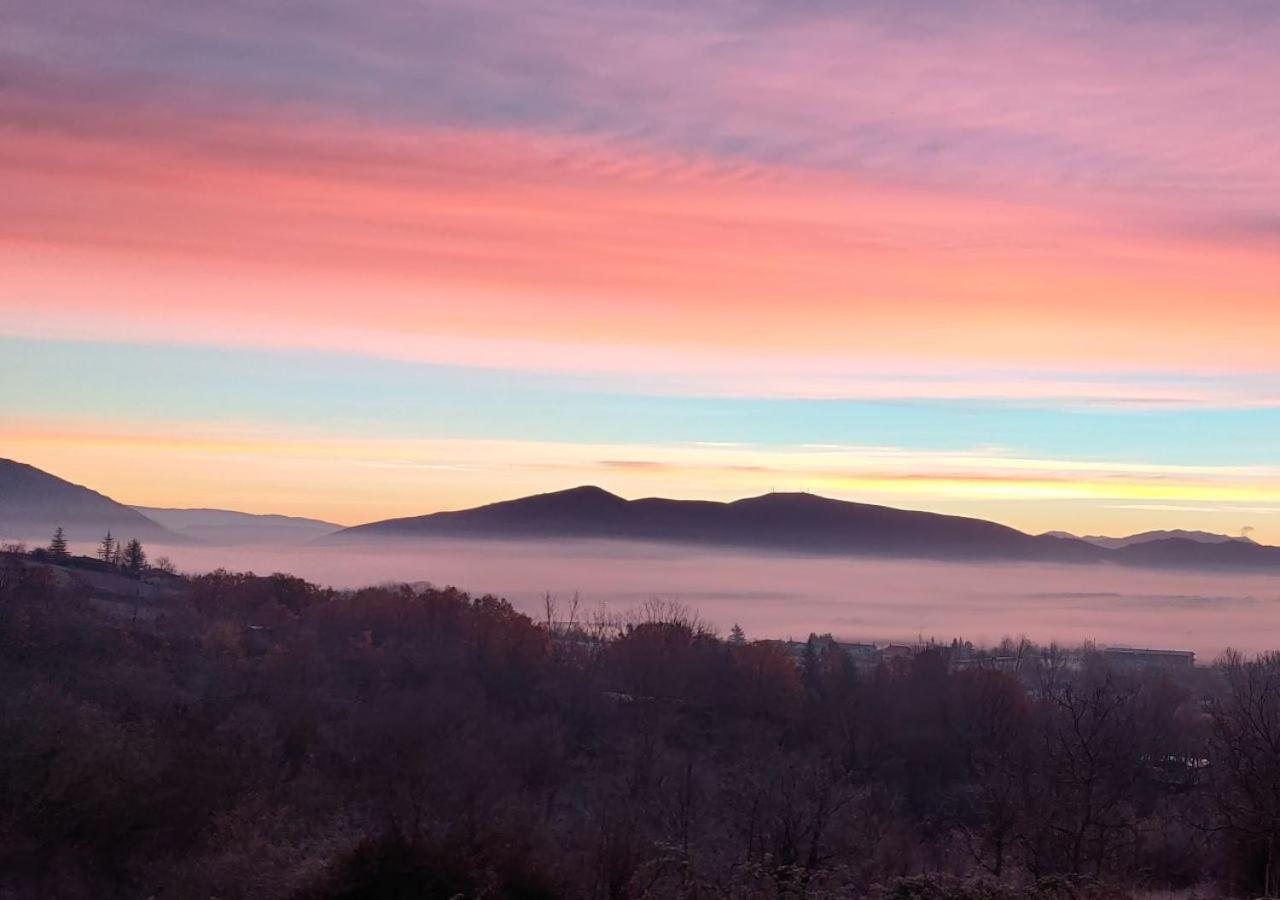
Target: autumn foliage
263,737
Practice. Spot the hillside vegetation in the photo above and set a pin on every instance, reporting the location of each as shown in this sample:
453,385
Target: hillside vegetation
242,736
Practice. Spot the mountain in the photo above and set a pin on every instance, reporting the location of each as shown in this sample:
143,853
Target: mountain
1147,537
221,527
33,503
1196,554
781,522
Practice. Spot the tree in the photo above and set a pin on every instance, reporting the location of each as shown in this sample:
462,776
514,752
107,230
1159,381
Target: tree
1245,761
1092,751
737,635
58,546
106,549
811,670
135,559
165,564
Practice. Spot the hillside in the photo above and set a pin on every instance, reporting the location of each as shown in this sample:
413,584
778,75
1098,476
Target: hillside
190,736
33,503
225,528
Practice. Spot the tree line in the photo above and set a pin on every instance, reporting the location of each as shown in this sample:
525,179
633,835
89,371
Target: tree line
126,556
263,737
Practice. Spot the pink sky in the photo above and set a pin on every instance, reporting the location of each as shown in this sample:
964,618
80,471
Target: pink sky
1064,205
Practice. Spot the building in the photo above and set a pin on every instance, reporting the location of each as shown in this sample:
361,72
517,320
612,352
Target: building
1143,658
896,651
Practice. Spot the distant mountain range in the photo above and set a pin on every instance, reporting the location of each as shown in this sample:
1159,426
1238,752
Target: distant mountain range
1147,537
799,523
33,503
225,528
1191,554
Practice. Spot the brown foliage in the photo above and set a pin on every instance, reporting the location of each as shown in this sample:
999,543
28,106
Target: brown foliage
263,737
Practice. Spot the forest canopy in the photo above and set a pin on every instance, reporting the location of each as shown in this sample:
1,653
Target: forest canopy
234,735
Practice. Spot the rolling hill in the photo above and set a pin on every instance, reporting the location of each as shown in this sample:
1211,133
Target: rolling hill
227,528
33,503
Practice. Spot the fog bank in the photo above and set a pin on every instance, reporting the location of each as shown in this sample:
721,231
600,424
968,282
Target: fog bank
778,596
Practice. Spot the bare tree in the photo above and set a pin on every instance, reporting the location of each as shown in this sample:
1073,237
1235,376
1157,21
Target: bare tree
165,564
1092,762
1245,763
575,602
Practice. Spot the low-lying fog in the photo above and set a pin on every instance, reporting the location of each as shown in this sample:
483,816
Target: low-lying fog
776,596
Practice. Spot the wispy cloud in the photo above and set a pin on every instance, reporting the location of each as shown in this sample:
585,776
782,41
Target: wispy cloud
1199,508
543,239
1063,95
1063,206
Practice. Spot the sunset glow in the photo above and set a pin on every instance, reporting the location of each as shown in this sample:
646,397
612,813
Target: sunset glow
364,261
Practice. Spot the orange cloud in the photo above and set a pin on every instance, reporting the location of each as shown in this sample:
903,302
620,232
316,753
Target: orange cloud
400,241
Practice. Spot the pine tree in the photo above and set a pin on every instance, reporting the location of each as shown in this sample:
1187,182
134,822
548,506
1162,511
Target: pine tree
135,560
107,548
58,546
117,555
737,635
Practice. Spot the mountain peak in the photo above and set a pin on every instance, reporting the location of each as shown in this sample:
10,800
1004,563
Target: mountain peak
586,496
786,500
583,490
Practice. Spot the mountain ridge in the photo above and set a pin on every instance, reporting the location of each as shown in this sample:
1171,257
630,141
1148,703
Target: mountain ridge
1146,537
227,527
33,502
799,522
780,521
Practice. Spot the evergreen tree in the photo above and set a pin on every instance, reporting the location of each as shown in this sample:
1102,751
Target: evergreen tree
117,555
135,559
58,546
737,635
107,548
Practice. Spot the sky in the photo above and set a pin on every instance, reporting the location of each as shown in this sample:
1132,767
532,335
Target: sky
1006,259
